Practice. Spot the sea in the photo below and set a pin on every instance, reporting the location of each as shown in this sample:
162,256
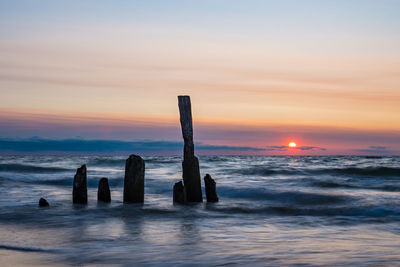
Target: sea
272,211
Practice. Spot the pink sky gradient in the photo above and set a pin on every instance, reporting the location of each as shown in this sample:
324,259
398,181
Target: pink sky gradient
322,77
326,140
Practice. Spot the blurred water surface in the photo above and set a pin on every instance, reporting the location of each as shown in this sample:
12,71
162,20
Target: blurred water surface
273,211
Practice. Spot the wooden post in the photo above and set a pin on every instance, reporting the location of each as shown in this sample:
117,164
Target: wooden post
43,202
134,180
79,190
185,111
103,192
211,188
179,193
190,164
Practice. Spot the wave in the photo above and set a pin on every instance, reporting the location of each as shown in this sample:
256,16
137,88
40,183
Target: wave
26,249
354,171
106,161
23,168
375,212
164,161
368,171
294,197
64,181
27,215
265,171
214,159
336,184
120,161
331,184
91,162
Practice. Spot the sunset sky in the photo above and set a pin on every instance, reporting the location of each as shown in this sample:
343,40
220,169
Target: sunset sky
323,74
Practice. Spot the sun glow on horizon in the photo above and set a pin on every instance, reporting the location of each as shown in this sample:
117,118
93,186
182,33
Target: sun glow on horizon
292,144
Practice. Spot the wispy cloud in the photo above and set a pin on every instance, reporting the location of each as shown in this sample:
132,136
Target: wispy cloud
310,148
302,148
277,148
374,150
202,146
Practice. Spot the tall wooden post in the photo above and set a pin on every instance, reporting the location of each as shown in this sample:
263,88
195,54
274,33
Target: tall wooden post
190,164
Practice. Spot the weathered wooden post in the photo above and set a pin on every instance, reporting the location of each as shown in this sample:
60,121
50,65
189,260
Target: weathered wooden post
43,202
134,180
211,188
103,192
79,190
190,164
179,193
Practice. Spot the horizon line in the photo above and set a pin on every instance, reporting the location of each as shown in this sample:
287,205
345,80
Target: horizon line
80,146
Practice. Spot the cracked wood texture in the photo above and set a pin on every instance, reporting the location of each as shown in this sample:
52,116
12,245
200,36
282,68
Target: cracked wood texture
190,164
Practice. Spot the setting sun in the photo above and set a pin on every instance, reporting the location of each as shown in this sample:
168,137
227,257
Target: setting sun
292,144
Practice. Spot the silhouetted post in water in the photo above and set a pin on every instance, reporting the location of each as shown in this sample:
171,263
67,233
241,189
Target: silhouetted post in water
190,164
43,202
179,193
79,191
103,192
211,190
134,180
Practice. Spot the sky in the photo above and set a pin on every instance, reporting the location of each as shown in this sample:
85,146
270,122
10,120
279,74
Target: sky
260,73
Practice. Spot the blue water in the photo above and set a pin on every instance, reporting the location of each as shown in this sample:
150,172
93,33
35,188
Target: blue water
273,211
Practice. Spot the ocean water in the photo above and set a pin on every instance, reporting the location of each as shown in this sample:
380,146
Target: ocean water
273,211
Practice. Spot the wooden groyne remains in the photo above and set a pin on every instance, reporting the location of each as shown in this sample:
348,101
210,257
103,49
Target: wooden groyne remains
186,191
